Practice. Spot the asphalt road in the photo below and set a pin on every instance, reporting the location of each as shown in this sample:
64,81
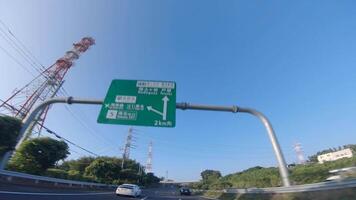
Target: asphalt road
14,192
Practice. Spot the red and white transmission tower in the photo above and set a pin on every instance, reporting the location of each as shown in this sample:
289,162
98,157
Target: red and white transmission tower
43,86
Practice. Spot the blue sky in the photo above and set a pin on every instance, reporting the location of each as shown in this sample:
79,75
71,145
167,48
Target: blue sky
292,60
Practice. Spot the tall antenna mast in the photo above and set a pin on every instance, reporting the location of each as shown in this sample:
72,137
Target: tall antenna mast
43,86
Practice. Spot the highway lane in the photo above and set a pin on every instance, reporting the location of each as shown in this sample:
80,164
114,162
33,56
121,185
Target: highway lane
11,192
86,196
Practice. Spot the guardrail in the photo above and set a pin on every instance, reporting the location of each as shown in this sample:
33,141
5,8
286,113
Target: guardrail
10,175
298,188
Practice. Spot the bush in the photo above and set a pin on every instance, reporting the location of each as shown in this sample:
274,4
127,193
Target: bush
9,130
37,155
219,185
74,175
255,177
56,173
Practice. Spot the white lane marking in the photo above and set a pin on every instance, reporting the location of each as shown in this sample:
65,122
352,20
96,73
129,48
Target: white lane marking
144,198
55,194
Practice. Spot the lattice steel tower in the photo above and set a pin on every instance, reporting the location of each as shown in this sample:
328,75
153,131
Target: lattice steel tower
300,153
43,86
149,159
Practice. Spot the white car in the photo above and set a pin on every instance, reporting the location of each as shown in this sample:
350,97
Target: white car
128,190
333,178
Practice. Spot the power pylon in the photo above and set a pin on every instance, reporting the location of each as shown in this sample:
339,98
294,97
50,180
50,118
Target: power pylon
45,85
127,147
149,159
300,153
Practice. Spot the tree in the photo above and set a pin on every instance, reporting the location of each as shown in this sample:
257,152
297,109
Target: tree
36,155
150,178
104,170
77,165
210,175
9,130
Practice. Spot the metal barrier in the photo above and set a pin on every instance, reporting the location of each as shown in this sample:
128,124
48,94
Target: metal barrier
11,174
341,184
297,188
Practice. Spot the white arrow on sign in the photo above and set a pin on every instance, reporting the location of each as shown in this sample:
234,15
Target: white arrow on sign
164,113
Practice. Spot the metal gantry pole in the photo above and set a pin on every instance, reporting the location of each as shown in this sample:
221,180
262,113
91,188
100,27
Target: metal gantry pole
184,106
272,136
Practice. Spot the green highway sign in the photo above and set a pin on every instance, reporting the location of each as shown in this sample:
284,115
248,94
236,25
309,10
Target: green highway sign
140,102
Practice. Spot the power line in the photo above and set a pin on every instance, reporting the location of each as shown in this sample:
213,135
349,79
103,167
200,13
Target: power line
17,49
20,47
84,123
70,142
18,62
22,44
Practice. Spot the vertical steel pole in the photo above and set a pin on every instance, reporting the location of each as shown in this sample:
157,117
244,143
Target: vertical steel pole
277,149
234,109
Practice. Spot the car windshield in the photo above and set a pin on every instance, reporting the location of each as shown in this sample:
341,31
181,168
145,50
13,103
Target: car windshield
126,186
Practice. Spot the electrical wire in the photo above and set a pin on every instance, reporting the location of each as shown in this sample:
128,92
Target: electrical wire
17,47
35,60
70,142
84,124
17,61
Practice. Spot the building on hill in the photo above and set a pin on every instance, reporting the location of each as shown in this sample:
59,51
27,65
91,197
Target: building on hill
345,153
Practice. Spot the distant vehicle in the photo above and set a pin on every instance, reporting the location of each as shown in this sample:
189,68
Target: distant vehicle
333,178
128,190
185,191
338,174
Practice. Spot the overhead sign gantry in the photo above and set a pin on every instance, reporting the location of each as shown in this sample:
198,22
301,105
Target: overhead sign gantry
148,103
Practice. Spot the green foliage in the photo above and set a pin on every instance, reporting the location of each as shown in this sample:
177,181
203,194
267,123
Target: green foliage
36,155
9,130
56,173
218,185
149,179
269,177
255,177
104,170
210,176
74,175
77,165
315,172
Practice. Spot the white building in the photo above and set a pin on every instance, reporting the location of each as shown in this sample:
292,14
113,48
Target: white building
345,153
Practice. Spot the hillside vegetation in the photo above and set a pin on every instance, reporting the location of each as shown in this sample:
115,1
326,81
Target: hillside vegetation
269,177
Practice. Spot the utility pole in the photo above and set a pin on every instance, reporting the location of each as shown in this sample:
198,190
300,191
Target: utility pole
166,175
149,159
300,153
127,147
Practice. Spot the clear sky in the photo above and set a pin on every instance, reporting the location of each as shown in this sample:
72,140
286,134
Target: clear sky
292,60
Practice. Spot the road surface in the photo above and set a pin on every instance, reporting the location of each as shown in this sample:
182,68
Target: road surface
15,192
